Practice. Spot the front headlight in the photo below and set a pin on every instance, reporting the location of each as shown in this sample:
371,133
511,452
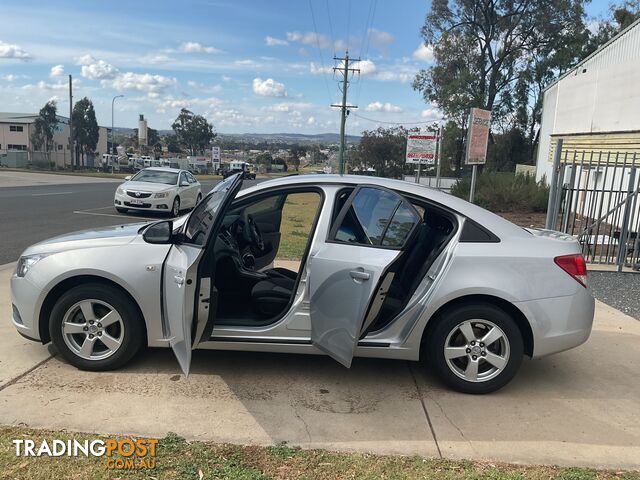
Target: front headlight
161,195
26,262
120,191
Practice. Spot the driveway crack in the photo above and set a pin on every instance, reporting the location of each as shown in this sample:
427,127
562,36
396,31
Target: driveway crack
424,409
14,380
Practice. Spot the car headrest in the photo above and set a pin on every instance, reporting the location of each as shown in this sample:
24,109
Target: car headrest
437,222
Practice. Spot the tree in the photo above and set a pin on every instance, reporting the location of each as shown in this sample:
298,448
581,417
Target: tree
44,127
85,127
295,152
152,136
265,159
193,131
383,150
173,146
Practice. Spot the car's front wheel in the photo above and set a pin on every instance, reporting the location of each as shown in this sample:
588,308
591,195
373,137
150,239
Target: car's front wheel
175,208
96,327
475,348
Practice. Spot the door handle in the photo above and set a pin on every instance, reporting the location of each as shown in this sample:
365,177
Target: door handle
359,275
178,279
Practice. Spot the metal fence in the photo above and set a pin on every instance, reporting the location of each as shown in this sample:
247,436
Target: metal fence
594,197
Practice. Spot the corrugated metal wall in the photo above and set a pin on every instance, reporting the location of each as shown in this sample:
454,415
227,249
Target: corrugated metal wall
611,147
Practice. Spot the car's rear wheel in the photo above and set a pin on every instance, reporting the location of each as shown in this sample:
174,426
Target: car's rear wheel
175,208
96,327
121,210
475,348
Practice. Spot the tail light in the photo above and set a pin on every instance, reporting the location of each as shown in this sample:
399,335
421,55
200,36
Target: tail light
575,266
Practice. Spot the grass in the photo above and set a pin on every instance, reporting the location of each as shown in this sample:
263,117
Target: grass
179,459
505,192
298,215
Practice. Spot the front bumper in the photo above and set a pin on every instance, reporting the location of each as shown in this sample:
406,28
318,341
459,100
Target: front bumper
149,203
25,307
559,323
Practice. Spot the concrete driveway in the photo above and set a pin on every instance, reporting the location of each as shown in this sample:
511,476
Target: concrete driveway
577,408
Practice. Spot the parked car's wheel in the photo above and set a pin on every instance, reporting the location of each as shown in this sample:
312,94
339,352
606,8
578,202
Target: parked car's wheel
475,348
96,327
175,208
121,210
198,199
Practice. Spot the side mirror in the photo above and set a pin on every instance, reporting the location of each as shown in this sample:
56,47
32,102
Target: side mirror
159,233
127,178
184,183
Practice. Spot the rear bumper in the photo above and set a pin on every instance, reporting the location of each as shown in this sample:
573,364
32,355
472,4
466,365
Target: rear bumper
559,323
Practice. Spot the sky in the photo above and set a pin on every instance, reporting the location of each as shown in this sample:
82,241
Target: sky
248,66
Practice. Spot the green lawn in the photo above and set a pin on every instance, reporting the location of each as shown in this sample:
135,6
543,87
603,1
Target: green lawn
179,459
298,215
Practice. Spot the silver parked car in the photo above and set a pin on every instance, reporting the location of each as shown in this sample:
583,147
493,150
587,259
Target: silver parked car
381,268
166,190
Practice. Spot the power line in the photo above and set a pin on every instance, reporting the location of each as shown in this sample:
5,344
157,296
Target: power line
431,120
323,72
333,39
367,35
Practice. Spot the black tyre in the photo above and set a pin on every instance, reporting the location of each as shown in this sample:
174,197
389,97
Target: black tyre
121,210
198,200
175,207
475,348
96,327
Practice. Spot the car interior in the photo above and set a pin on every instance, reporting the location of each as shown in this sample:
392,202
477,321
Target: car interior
263,243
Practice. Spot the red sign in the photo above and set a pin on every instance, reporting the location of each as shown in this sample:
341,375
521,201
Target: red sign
421,149
478,136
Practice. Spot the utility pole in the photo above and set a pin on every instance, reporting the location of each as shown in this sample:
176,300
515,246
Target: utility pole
344,108
71,142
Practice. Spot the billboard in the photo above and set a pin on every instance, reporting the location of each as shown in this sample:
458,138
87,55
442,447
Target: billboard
478,136
421,148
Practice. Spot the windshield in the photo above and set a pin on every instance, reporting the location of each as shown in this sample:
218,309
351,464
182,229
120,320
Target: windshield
203,216
156,176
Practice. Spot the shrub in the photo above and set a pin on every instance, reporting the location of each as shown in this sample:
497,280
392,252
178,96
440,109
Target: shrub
505,192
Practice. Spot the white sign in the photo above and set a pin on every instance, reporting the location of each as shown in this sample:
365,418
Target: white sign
215,154
478,136
421,148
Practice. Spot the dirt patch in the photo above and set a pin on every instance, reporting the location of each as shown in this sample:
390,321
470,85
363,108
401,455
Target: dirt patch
531,219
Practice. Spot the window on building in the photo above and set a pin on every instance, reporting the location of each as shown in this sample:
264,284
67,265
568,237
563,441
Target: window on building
16,128
16,147
60,147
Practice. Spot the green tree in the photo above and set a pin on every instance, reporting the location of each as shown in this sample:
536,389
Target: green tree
295,152
383,150
152,137
44,127
173,146
85,128
193,131
265,159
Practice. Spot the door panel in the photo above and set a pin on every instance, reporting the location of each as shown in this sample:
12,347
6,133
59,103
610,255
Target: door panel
179,294
342,281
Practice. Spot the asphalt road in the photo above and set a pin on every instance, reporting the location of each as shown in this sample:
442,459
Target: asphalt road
30,214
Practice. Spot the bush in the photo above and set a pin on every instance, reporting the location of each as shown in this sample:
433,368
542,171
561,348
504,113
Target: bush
505,192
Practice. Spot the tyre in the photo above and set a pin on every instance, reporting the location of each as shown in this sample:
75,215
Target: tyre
121,210
175,208
198,200
475,348
96,327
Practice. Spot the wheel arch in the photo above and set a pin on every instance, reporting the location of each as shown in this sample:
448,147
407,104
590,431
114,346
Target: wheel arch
514,312
68,283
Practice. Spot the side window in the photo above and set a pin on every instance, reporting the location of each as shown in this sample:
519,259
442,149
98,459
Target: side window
183,178
264,205
190,178
376,217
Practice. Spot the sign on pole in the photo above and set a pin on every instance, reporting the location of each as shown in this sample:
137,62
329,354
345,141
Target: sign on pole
421,149
478,136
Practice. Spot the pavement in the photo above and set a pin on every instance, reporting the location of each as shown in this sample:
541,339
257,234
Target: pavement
618,289
576,408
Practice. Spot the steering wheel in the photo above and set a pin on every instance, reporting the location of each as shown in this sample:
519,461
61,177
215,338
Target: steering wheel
254,234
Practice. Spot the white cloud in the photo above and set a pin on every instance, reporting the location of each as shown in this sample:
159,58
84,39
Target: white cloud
288,107
226,78
9,50
310,38
204,87
316,69
144,82
367,67
380,39
394,76
195,47
57,71
311,121
12,77
424,53
96,69
430,113
268,88
274,42
42,85
383,107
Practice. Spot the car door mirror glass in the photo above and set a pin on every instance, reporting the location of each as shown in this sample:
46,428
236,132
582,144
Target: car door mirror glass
127,178
159,233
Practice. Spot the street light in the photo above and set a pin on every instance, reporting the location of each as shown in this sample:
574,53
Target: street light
113,148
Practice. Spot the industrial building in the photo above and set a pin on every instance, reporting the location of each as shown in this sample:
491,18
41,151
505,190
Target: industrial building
16,149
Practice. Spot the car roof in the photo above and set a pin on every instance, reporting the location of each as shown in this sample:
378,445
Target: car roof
165,169
493,222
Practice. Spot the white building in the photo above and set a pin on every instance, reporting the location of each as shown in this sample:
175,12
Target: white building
595,107
16,146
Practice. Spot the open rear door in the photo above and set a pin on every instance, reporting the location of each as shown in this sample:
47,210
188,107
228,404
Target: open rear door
351,271
182,318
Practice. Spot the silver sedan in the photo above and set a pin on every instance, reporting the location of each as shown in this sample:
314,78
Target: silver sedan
336,265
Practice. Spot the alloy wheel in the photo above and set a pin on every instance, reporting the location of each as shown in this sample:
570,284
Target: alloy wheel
176,208
92,329
476,350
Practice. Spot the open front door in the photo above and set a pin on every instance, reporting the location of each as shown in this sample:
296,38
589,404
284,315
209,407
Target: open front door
351,272
182,318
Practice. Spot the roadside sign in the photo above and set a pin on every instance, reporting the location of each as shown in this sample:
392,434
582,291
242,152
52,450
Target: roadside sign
478,136
421,149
